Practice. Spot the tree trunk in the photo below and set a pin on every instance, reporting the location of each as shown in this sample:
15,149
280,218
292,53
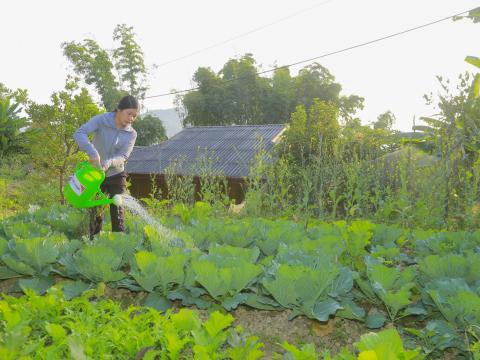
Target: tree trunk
61,179
60,183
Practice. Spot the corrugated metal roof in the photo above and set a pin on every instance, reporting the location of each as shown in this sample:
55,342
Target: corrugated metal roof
226,150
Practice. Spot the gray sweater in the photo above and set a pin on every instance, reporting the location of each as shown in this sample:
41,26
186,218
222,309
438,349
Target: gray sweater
113,145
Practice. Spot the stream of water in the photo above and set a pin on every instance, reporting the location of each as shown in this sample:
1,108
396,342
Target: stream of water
136,208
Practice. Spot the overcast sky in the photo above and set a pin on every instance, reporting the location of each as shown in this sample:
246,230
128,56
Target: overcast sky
391,75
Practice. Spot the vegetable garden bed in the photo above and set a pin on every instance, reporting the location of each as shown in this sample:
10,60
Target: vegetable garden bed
333,280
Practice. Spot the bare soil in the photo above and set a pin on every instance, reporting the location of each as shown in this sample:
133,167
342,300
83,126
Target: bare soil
273,328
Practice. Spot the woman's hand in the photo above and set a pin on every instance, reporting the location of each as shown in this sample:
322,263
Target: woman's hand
105,165
95,161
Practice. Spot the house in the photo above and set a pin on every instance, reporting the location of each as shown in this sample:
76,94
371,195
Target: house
227,151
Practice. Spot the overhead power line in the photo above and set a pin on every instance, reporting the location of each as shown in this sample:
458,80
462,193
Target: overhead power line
326,54
236,37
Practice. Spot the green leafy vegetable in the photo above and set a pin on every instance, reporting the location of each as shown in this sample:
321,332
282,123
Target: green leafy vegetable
392,286
99,263
153,271
386,344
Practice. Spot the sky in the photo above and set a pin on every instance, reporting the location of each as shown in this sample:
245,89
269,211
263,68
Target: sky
393,74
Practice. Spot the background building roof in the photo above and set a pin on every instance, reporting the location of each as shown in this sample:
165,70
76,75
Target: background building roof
224,150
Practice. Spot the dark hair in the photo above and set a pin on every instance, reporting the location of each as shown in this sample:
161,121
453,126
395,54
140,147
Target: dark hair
128,102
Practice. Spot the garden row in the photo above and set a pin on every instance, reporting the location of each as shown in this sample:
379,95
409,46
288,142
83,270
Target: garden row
89,327
361,271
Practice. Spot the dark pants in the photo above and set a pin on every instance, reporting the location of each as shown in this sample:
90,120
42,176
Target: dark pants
111,186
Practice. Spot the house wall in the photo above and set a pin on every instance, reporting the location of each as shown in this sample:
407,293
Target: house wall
141,186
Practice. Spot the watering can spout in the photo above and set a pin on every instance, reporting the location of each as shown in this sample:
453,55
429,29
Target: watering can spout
117,200
103,200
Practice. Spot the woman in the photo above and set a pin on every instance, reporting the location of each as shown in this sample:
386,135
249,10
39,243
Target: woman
113,141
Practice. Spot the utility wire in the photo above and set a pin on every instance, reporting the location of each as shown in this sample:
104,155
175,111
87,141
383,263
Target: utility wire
243,34
324,55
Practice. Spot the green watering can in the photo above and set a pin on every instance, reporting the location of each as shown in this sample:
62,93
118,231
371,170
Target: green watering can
83,188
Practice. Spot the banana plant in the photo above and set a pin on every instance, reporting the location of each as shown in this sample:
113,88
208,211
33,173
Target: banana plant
474,15
10,126
475,61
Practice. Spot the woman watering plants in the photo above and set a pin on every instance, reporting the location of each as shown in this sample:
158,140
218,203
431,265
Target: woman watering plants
113,141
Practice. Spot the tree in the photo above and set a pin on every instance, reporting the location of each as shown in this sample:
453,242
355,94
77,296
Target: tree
20,96
294,140
150,130
52,147
245,91
348,106
316,82
363,142
453,135
385,121
312,132
323,127
239,95
96,66
280,102
129,61
207,105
